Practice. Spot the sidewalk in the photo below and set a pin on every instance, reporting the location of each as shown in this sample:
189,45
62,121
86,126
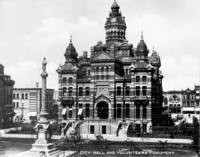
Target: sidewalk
138,139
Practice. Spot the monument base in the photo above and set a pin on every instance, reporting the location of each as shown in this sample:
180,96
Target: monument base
42,147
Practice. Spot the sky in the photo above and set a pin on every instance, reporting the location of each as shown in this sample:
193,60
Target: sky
31,30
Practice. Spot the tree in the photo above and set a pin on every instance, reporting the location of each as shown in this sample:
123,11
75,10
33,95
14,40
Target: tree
195,135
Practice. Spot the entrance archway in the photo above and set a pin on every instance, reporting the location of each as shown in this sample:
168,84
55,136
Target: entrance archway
102,110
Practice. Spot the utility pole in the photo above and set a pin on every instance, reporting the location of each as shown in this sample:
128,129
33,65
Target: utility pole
22,112
123,100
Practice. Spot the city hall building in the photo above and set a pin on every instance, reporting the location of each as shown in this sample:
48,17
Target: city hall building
114,90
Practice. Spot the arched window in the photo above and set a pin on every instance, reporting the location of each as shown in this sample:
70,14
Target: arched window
17,95
22,95
102,69
26,96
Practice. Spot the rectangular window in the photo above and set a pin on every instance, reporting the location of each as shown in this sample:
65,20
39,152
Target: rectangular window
118,110
87,91
64,80
144,90
137,111
70,80
127,110
91,129
137,90
144,111
107,77
70,113
102,77
64,91
87,110
119,91
144,79
137,78
70,91
103,129
127,90
80,91
97,77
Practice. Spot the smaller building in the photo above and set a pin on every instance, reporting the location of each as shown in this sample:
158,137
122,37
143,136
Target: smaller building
6,90
190,102
27,104
173,101
185,103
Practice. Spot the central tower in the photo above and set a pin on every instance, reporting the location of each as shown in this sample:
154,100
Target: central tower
115,25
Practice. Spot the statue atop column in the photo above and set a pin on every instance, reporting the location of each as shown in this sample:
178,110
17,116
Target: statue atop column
44,64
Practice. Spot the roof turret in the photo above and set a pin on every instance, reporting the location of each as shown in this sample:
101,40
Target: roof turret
142,47
70,53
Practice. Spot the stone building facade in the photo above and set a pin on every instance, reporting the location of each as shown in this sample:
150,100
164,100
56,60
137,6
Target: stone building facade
27,103
119,84
6,90
173,101
184,103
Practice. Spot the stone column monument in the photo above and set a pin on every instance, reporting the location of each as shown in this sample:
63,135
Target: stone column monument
43,127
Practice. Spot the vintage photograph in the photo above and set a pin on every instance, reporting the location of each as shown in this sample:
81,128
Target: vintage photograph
99,78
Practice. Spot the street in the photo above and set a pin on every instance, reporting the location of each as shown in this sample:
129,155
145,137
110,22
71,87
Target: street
9,146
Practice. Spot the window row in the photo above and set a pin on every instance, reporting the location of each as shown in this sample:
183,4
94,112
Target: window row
175,105
80,91
101,69
17,96
102,77
119,91
188,103
138,79
80,112
120,110
64,80
175,109
16,104
188,97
